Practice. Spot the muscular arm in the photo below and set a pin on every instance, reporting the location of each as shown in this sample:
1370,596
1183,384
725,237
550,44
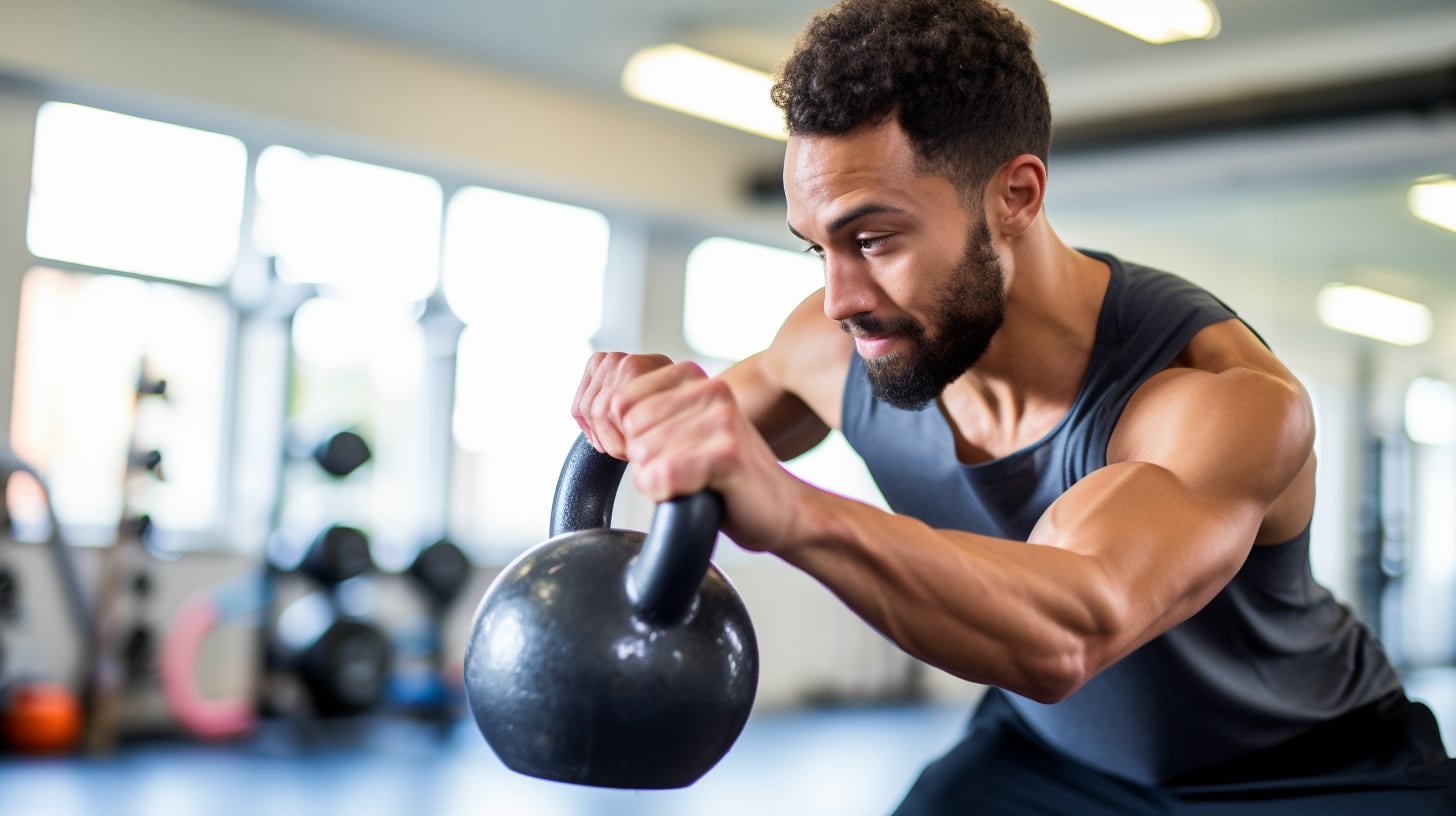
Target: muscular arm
1204,456
1127,553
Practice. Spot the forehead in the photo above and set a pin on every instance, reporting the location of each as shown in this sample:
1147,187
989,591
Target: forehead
825,175
867,154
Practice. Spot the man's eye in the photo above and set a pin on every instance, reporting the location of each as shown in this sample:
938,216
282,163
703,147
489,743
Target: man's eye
816,251
871,244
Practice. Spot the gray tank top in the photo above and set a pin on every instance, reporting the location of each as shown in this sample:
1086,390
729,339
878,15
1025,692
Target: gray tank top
1269,656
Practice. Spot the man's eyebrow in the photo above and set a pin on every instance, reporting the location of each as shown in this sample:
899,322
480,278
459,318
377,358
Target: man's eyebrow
850,217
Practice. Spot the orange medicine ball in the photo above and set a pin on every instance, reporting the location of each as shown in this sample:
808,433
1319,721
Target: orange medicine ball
40,718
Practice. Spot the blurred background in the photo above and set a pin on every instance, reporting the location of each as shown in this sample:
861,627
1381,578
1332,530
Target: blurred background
295,294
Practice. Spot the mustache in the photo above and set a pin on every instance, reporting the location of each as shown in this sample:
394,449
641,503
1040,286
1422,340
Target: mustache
867,325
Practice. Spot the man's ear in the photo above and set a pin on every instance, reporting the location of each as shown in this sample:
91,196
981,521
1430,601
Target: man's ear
1016,193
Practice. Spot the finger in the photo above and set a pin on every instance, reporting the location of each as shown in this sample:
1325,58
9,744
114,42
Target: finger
662,395
599,401
680,438
585,393
606,380
658,381
619,389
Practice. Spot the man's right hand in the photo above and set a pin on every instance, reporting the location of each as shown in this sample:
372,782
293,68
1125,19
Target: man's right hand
596,411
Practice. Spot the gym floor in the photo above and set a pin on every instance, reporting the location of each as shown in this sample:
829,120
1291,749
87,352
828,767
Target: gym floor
850,761
834,762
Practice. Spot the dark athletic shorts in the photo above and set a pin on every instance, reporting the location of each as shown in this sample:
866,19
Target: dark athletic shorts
1385,759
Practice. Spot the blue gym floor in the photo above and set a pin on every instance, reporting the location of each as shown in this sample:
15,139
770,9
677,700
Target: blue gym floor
834,762
825,762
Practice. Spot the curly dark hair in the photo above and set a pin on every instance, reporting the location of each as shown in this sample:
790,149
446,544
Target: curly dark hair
959,75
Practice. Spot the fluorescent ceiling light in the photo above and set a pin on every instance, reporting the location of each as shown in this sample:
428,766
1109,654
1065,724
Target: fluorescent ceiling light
1433,199
689,81
1377,315
1157,23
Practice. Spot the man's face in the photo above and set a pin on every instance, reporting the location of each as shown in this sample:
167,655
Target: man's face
908,272
967,310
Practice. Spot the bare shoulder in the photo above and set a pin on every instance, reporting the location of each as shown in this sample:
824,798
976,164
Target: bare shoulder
809,358
791,390
1227,415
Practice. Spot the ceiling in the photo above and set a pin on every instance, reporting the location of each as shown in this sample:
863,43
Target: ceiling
1308,172
1091,69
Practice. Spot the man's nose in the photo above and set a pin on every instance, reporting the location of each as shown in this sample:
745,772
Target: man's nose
848,290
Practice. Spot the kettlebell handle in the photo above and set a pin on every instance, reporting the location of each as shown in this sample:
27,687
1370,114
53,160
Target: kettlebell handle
665,576
585,490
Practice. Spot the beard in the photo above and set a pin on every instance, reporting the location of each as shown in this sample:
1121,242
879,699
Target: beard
967,311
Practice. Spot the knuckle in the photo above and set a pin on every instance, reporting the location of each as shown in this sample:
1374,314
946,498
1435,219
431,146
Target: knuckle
616,406
717,389
640,364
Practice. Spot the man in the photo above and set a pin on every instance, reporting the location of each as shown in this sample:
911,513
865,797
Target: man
1103,480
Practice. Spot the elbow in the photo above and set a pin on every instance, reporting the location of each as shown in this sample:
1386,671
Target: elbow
1054,678
1075,654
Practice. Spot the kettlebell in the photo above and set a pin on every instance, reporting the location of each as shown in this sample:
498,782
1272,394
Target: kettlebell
607,658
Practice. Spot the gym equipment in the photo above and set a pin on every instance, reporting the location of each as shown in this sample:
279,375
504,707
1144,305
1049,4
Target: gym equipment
67,575
602,657
40,715
338,553
196,618
105,688
40,718
422,684
440,570
342,662
341,453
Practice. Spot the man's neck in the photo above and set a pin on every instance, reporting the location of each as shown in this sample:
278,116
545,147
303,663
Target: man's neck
1033,370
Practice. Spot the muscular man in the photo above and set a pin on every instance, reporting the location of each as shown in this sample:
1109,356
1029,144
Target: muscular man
1102,479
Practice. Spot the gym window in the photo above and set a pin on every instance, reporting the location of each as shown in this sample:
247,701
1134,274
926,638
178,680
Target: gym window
356,230
84,340
737,295
356,253
133,221
526,277
135,195
330,294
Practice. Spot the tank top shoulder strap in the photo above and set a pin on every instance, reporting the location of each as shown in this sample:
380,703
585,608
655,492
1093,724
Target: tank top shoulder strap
1148,317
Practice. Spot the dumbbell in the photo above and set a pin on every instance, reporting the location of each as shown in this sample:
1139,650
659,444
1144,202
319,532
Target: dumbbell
339,453
338,553
343,663
440,571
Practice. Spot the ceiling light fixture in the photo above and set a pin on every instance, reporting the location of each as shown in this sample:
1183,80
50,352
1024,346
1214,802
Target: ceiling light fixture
1433,199
692,82
1157,23
1377,315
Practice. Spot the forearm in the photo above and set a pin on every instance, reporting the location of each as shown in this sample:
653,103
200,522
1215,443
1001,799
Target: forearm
1029,618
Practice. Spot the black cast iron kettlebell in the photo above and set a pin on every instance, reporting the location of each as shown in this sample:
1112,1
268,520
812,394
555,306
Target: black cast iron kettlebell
604,657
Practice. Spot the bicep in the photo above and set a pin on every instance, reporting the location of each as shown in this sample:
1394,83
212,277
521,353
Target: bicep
1199,459
1156,550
